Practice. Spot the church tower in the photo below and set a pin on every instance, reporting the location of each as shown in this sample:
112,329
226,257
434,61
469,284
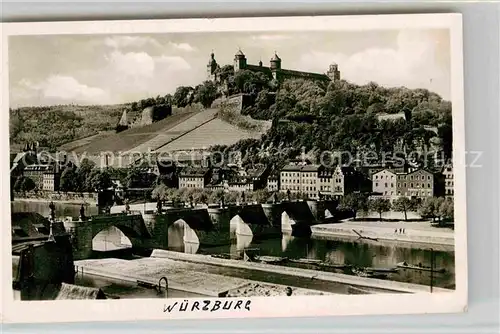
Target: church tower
333,72
275,62
240,61
211,67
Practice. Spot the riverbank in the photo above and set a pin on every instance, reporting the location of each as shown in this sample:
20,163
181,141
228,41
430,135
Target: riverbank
369,284
86,201
414,233
183,276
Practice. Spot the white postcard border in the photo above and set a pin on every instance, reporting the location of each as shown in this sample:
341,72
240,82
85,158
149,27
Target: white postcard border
153,309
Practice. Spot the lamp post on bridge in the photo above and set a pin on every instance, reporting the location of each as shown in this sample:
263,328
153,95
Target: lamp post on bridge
52,219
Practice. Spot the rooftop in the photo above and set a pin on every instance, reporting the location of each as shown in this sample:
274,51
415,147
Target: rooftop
194,172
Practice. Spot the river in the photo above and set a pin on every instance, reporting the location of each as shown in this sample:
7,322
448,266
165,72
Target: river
360,254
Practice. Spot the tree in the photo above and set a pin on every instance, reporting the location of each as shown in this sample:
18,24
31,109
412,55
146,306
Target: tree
402,204
217,196
356,202
27,184
182,95
205,93
83,175
69,180
225,72
430,207
380,205
260,196
18,184
100,180
160,192
446,210
202,196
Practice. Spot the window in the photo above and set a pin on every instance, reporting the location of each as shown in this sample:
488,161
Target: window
411,177
376,184
385,185
376,176
405,184
392,185
428,177
411,185
399,185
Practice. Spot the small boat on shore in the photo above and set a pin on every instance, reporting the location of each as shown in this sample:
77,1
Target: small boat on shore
382,270
270,259
419,267
221,256
306,261
368,274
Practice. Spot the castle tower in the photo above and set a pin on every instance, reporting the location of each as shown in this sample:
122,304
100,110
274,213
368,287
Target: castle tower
333,72
211,67
275,62
240,61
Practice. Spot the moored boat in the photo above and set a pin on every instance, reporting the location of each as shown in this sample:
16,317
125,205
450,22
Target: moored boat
306,261
381,270
270,259
419,267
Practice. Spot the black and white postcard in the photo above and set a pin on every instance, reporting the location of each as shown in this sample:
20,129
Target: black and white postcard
237,167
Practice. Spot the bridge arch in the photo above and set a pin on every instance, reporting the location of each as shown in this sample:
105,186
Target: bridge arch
111,238
182,237
118,232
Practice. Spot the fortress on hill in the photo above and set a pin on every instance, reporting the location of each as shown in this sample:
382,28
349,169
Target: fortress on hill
274,70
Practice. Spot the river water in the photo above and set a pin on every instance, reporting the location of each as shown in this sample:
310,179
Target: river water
360,254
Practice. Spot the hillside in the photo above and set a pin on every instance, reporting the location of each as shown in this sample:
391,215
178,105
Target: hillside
56,125
214,132
129,139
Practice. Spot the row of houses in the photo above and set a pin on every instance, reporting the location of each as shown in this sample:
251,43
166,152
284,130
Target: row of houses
390,183
317,181
229,178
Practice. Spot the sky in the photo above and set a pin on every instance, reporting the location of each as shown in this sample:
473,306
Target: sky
110,69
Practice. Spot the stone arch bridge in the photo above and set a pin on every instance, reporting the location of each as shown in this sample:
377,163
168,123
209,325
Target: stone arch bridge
211,226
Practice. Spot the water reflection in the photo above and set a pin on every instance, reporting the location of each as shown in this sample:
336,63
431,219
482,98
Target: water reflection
183,238
62,209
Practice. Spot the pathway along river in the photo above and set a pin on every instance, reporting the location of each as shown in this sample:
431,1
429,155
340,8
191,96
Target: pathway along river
360,254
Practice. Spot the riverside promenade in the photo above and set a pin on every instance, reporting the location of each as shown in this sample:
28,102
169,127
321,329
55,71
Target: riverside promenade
412,234
370,284
190,278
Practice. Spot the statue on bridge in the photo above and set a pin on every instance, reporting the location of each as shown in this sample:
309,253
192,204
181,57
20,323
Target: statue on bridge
82,212
127,206
320,195
222,201
52,208
275,198
289,195
191,201
243,197
159,204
